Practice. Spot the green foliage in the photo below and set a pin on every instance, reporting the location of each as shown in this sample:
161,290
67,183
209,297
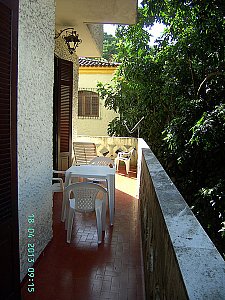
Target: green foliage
178,84
209,129
109,47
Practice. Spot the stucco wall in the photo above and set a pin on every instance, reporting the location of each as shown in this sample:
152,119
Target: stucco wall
94,127
96,31
35,107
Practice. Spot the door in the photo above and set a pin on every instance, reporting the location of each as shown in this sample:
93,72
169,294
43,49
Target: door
62,114
9,241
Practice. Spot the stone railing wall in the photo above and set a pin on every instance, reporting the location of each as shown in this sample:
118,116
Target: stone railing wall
180,260
111,144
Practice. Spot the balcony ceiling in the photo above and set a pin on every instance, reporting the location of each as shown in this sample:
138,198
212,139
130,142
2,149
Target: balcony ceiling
79,13
71,12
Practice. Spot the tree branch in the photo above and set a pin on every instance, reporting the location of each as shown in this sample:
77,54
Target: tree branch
207,78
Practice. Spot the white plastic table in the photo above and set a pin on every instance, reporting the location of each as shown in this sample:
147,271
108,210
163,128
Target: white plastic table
98,172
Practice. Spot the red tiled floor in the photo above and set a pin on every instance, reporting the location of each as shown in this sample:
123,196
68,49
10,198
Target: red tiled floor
83,270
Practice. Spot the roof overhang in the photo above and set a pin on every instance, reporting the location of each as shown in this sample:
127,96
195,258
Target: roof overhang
83,14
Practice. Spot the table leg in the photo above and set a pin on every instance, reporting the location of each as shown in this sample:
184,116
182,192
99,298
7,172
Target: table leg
67,179
64,203
111,191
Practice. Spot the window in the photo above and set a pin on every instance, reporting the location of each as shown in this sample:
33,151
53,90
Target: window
88,104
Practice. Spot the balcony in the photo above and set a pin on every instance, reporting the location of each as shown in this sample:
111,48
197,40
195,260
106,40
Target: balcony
84,270
179,259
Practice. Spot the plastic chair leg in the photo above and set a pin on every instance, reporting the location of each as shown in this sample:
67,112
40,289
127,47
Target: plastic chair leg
127,164
98,211
103,215
70,224
66,214
63,213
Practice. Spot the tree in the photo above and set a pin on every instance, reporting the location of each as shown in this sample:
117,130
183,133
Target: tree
178,85
109,47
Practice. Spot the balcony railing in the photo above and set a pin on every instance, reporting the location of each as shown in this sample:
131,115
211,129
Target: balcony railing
180,260
111,145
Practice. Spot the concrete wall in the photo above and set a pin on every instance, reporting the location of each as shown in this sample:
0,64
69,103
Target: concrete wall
91,126
35,108
180,260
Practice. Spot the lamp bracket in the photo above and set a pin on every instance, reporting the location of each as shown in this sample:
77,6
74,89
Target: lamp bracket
61,31
71,39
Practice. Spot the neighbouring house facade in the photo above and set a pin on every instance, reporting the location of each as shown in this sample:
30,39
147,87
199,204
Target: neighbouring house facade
38,89
93,117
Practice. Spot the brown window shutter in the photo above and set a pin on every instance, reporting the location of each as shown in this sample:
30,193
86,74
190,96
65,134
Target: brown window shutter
80,106
5,149
95,106
63,93
9,248
88,104
66,85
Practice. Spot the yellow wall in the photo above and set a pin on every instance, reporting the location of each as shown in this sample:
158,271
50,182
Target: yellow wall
88,78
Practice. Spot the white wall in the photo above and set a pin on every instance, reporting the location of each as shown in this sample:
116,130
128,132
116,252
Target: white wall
94,127
35,109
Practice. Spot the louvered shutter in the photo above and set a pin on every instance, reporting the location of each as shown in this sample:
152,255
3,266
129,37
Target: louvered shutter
80,105
88,104
64,87
9,249
95,105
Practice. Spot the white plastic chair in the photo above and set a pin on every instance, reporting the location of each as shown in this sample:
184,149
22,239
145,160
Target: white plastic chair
86,199
101,161
58,185
125,157
83,152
